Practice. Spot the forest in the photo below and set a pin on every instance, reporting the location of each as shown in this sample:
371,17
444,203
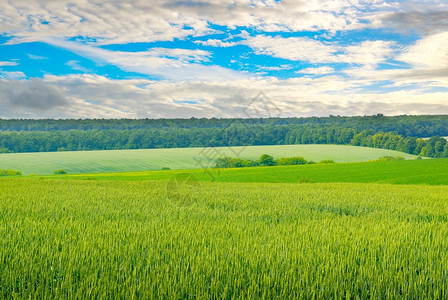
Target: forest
419,135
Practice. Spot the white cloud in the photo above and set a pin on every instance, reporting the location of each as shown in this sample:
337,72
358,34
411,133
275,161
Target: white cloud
313,51
183,55
216,43
317,71
425,64
126,21
294,48
36,57
367,53
12,74
74,64
274,68
152,63
431,52
109,22
8,63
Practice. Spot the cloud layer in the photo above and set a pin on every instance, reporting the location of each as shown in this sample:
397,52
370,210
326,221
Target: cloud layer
208,58
114,22
87,96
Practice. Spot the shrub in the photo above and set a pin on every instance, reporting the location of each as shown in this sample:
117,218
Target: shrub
327,161
7,172
229,162
5,150
389,158
223,162
266,160
285,161
248,163
60,172
165,168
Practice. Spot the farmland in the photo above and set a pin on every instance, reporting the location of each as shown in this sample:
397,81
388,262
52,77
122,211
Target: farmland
108,239
427,171
177,158
350,229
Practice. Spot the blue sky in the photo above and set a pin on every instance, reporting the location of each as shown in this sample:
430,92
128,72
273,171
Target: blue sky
138,59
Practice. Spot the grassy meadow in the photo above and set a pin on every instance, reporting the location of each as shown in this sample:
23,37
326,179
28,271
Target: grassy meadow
425,171
76,162
128,239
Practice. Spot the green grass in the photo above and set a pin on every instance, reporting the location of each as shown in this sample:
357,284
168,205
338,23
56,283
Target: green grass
125,239
226,233
178,158
427,171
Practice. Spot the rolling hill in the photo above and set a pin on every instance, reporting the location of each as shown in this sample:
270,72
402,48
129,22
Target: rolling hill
426,171
76,162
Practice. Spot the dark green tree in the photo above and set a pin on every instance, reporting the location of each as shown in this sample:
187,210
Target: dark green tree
266,160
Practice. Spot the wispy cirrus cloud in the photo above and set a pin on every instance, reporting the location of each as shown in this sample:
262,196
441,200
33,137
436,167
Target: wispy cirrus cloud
75,65
216,43
317,71
313,51
8,63
35,57
173,64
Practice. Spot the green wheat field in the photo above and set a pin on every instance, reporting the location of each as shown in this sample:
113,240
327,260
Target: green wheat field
132,239
344,230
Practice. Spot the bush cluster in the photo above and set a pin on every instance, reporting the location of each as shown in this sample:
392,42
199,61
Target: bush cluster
388,158
6,172
60,172
264,161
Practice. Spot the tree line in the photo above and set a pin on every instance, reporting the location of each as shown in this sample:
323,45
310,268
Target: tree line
403,133
436,146
418,126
